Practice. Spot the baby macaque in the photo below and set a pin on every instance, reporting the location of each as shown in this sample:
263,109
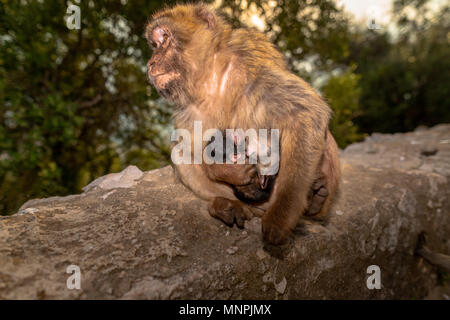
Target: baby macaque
248,183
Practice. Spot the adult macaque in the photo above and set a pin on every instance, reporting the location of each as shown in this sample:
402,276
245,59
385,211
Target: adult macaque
235,78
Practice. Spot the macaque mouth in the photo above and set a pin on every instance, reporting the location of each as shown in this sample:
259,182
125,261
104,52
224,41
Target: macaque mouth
161,80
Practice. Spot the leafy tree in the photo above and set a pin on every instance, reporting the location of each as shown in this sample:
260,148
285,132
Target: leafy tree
404,79
343,93
75,104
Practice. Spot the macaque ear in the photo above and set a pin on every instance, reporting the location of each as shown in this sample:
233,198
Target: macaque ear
159,35
207,16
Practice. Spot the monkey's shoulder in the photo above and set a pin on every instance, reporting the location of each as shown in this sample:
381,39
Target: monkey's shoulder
282,94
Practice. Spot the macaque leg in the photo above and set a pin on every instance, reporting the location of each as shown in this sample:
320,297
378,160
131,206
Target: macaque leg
325,187
317,196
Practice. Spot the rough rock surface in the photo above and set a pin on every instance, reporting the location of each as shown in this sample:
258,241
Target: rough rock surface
145,236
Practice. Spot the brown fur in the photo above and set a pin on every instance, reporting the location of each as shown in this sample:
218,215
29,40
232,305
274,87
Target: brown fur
235,78
326,185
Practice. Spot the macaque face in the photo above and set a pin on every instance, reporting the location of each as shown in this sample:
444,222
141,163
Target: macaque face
165,67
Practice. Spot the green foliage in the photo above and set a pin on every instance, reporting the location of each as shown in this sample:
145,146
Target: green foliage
343,94
75,104
405,80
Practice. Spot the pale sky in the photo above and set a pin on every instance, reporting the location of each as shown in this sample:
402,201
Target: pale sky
372,12
360,7
365,9
378,10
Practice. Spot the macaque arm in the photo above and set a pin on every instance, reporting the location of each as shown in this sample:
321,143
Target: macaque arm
194,178
224,207
289,198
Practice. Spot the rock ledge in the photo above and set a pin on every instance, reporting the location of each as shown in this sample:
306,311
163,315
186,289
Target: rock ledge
142,235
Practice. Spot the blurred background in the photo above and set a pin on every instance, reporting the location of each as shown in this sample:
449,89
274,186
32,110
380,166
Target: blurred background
75,103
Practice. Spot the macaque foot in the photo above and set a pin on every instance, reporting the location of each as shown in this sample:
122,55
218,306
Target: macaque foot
318,196
273,233
228,211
